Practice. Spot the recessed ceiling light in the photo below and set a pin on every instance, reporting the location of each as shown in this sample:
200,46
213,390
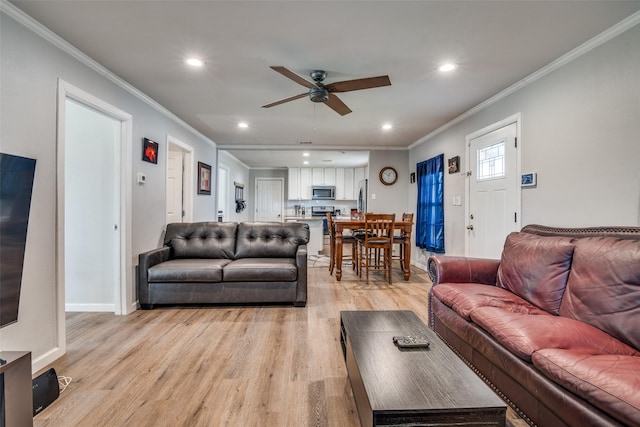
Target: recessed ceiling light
305,154
243,125
195,62
306,162
387,126
450,66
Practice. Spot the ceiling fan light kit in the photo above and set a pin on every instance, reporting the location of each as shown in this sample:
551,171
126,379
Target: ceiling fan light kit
319,92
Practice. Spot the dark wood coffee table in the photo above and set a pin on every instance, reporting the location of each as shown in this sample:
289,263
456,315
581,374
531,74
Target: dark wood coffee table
423,387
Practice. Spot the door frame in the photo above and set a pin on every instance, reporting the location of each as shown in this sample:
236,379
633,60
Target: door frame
517,119
124,301
224,193
188,185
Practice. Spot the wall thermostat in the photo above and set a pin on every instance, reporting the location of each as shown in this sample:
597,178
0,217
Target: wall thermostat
142,178
529,179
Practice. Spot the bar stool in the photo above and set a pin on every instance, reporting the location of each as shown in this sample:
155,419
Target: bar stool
346,240
377,236
401,239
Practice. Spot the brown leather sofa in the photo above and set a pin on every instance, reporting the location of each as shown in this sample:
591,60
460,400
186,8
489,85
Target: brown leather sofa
227,263
554,326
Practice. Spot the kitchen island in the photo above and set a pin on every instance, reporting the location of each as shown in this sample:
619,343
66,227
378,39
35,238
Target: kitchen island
315,245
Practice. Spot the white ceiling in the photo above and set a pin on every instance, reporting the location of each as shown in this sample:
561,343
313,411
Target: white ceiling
495,43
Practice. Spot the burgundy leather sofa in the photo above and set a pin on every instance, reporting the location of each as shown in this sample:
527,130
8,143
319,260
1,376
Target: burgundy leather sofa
553,326
226,263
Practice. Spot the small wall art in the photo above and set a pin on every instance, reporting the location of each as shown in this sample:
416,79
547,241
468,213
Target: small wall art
204,178
454,164
529,179
149,151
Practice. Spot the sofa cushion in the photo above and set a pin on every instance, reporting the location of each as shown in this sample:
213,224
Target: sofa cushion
261,270
536,268
270,239
604,287
187,270
464,297
201,239
523,334
610,382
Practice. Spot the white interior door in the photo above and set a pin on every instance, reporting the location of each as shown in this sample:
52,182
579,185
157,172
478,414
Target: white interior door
493,207
269,199
175,210
91,207
180,193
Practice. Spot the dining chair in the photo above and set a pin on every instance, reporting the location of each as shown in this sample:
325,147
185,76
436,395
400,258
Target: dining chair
400,239
347,239
377,238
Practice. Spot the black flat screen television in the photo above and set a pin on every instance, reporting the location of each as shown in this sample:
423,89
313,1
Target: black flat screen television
16,186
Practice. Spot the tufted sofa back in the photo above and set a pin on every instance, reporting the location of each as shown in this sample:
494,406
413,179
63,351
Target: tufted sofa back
270,239
202,239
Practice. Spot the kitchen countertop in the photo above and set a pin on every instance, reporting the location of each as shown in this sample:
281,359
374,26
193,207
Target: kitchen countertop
303,218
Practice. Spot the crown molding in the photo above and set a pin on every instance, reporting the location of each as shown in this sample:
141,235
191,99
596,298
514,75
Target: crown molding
622,26
42,31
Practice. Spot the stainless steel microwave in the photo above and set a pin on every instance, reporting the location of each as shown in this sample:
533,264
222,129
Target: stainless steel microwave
323,192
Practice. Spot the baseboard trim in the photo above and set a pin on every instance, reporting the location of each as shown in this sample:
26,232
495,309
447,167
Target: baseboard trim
108,308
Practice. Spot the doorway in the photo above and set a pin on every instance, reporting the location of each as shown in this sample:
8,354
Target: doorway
94,206
179,181
269,199
493,194
223,193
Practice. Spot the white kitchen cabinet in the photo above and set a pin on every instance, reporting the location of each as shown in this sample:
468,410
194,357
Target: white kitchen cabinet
344,179
329,176
294,184
344,184
299,184
305,183
323,176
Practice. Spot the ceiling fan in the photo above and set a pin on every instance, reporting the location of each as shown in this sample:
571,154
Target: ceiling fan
320,92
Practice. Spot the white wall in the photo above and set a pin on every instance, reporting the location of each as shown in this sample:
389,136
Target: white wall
580,134
30,67
389,198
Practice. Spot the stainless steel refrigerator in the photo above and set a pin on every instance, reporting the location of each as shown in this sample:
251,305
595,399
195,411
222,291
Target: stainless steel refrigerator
362,195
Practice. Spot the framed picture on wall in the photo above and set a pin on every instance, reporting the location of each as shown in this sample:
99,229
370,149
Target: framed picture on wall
454,164
204,178
149,151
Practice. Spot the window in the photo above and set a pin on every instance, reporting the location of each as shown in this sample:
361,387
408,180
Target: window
491,161
430,208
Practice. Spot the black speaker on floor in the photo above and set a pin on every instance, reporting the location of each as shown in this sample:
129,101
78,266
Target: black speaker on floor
45,390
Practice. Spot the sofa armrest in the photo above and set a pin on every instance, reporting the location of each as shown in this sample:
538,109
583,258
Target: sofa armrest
452,269
145,261
301,264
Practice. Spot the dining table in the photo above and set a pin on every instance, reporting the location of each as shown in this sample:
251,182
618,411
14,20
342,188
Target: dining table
339,225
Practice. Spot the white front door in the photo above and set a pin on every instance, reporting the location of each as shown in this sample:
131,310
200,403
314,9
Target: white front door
269,199
175,169
493,207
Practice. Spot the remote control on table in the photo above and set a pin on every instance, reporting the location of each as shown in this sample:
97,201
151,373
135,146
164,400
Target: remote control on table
405,341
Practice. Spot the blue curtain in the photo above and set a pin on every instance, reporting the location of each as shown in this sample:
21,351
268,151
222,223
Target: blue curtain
430,210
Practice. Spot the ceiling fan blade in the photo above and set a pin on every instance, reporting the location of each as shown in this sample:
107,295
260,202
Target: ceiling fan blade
293,76
358,84
282,101
337,105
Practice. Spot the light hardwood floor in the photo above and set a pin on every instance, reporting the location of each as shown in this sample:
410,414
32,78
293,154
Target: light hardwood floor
224,366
